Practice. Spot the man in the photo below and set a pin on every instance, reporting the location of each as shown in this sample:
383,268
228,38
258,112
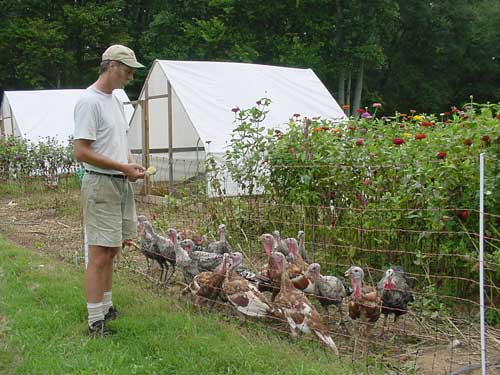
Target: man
100,142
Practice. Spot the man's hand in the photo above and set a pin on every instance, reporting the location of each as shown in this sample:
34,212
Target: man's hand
133,171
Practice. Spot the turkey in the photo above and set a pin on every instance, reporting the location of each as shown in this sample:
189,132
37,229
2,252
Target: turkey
395,292
185,263
157,248
297,265
203,260
243,295
207,286
270,277
329,290
365,302
221,246
279,244
294,307
198,239
302,247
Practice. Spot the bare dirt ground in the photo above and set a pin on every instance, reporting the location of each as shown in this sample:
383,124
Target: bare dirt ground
48,230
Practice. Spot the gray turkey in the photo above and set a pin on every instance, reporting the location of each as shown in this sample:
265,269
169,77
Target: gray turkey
188,267
221,246
395,292
329,290
157,248
279,244
302,246
205,261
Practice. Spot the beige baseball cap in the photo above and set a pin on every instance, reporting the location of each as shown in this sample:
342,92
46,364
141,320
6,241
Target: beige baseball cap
123,54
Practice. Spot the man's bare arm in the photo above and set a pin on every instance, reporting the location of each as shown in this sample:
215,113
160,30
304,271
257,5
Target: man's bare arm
84,153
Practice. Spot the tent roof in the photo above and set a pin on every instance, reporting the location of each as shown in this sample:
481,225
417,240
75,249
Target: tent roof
42,113
209,90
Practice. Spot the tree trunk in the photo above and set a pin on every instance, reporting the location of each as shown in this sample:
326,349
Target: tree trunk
349,82
341,87
359,87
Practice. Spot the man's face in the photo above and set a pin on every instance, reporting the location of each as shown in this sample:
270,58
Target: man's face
121,74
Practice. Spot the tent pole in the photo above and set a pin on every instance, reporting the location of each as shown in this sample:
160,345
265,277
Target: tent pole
145,138
170,141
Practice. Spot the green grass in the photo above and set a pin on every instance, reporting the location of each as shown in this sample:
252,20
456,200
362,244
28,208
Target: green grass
43,330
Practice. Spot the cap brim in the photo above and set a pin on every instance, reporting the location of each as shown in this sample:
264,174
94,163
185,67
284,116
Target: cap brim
133,64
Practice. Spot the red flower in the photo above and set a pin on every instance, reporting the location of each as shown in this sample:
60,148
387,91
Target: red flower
352,128
447,121
441,155
360,142
467,142
485,139
498,116
398,141
455,109
360,110
447,113
426,123
420,136
367,181
401,126
463,214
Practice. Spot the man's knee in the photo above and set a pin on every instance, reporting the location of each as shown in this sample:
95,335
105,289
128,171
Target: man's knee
101,256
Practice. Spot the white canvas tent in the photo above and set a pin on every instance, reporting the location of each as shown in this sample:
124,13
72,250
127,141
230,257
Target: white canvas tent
198,113
38,114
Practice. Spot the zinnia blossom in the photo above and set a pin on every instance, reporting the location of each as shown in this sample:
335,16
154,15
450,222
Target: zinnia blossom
406,135
418,118
366,115
485,139
362,131
376,105
360,142
468,142
296,115
336,130
398,141
441,155
235,109
420,136
345,107
426,123
498,116
360,110
463,214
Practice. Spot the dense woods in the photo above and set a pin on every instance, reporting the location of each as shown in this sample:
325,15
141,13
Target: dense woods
420,54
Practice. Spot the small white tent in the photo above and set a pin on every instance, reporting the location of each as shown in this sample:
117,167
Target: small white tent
201,121
38,114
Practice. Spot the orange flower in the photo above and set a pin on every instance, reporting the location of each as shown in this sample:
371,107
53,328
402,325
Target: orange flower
420,136
345,107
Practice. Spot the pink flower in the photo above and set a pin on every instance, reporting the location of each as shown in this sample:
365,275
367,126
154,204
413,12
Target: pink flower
412,111
398,141
360,142
376,105
441,155
235,109
366,115
367,181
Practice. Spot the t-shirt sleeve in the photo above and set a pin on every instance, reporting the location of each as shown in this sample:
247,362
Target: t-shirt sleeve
85,116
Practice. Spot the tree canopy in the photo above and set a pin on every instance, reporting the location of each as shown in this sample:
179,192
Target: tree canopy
416,54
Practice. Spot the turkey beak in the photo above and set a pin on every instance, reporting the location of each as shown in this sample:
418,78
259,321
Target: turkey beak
347,273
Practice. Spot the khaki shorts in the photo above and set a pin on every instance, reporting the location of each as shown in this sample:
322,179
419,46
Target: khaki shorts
108,210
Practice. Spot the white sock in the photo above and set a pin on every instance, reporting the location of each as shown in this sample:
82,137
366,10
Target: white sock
106,302
95,312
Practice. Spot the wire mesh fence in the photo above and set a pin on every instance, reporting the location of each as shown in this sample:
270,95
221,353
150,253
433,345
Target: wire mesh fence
418,216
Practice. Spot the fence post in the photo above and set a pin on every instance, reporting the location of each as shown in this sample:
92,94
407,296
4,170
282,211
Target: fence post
481,262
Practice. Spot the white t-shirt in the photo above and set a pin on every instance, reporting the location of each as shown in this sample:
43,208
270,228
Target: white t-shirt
100,117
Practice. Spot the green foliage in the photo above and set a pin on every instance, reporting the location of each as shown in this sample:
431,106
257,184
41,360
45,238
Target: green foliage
21,158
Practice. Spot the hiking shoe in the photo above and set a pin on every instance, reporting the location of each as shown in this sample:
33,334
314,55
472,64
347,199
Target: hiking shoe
99,329
112,314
